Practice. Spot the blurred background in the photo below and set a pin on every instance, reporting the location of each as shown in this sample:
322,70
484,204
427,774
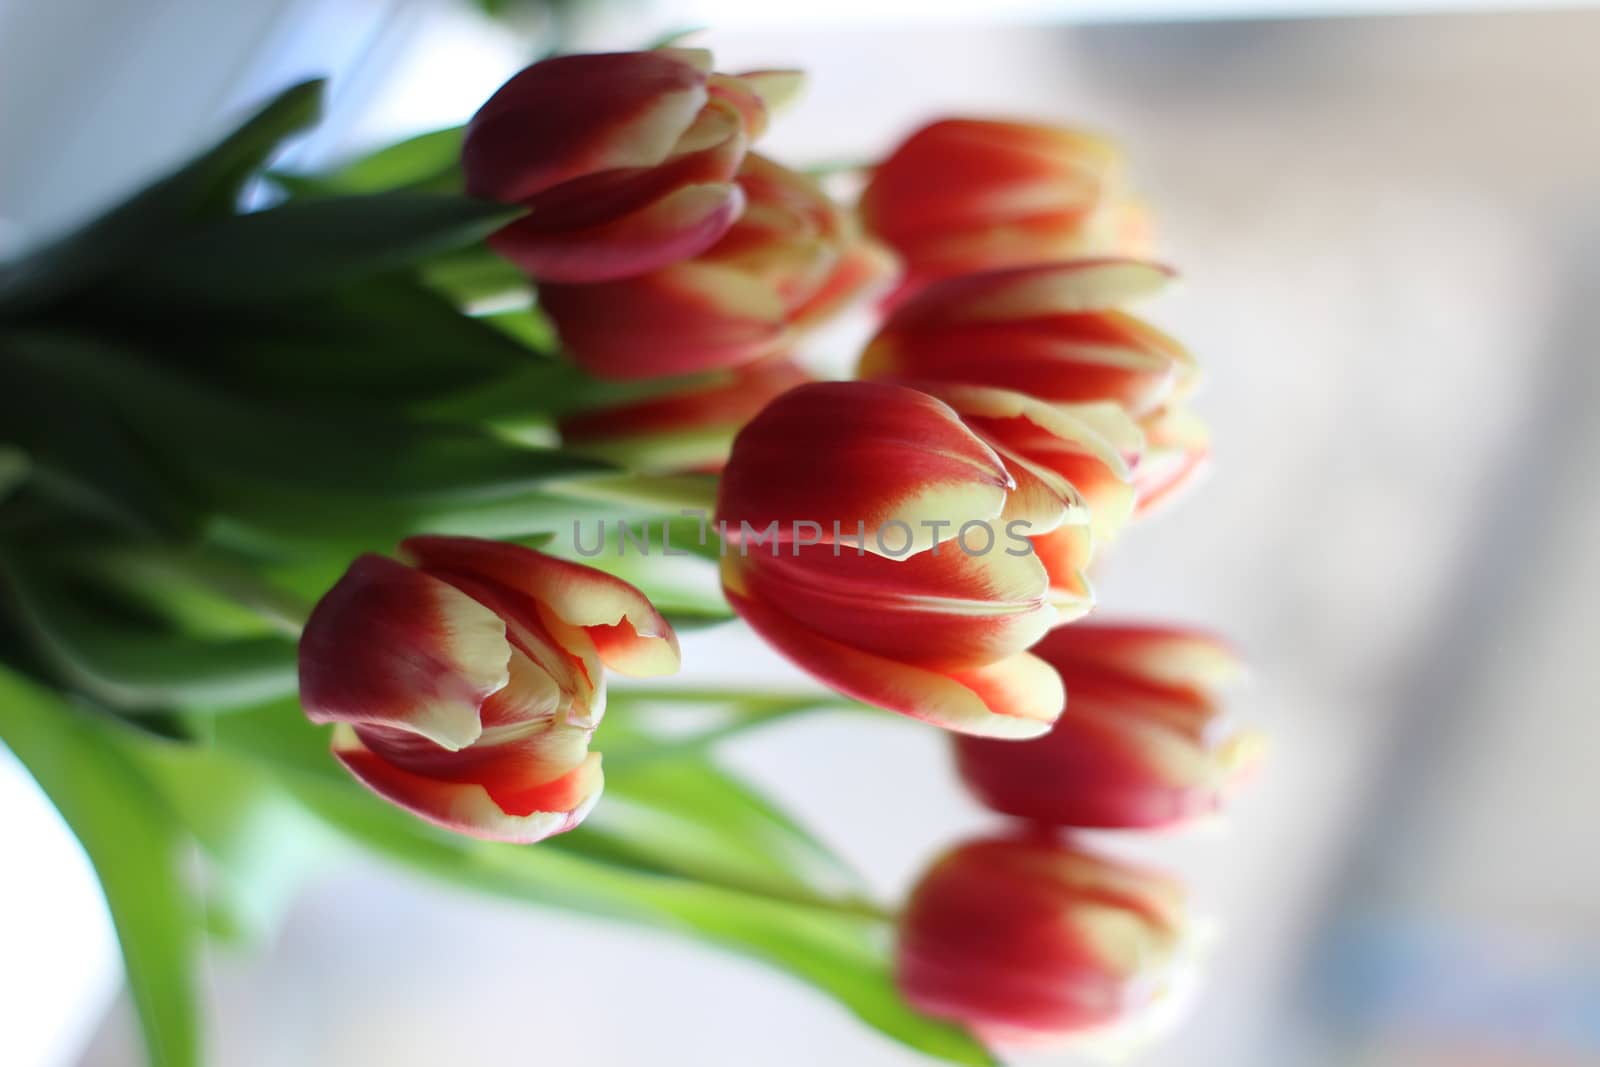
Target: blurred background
1390,234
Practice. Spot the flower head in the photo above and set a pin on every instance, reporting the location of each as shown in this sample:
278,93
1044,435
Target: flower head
625,160
882,545
1140,743
1057,333
1029,941
465,683
791,260
963,195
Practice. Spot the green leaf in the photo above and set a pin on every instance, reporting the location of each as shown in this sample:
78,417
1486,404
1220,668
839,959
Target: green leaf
259,843
206,187
134,665
553,387
308,478
838,947
14,469
687,816
842,954
376,345
308,246
81,453
197,590
427,162
134,848
477,278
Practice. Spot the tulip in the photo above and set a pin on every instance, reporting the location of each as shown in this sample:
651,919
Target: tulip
687,431
625,161
964,195
1056,333
1027,941
791,260
464,684
873,540
1139,744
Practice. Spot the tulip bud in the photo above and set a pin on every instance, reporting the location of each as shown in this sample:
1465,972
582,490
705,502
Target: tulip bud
1029,941
964,195
791,260
1055,332
682,432
625,160
1139,743
464,686
882,546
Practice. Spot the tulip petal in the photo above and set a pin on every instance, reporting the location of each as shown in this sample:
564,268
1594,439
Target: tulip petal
776,88
1061,358
1014,701
892,459
1179,449
743,98
1106,765
518,816
681,224
943,609
569,116
1069,441
1066,553
1176,656
864,266
629,634
1071,288
686,318
960,173
389,646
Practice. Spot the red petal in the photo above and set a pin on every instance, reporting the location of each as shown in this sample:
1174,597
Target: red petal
1175,656
959,173
629,634
390,646
970,706
1043,331
575,115
520,816
942,609
864,452
687,318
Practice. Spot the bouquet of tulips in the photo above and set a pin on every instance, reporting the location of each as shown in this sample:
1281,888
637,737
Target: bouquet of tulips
327,521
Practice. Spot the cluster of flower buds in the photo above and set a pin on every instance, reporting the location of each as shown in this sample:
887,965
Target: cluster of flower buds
916,538
661,243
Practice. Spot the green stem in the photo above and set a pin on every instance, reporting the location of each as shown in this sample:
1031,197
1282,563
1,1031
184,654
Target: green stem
662,492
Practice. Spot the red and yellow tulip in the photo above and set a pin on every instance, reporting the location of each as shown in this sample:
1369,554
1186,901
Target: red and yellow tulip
1028,941
626,161
792,259
1140,743
882,545
1057,332
964,195
464,683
